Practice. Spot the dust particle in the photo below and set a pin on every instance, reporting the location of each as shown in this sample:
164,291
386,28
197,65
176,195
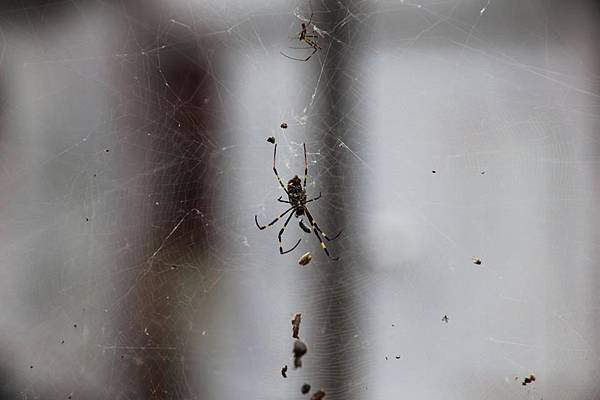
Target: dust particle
305,388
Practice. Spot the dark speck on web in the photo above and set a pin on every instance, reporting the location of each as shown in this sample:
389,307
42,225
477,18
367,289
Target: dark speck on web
283,125
296,325
305,388
397,357
74,325
271,139
283,371
445,319
31,366
528,380
300,350
433,171
318,395
107,150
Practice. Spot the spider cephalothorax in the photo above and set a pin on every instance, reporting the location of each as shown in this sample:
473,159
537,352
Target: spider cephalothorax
296,191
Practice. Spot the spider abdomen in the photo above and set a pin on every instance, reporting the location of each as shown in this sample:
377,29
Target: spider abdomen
296,193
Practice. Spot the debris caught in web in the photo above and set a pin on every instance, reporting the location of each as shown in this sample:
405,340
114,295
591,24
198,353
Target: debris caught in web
300,350
271,139
305,388
445,319
528,380
319,395
296,325
283,371
305,259
283,125
476,260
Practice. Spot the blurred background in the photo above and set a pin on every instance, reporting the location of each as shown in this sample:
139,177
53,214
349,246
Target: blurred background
456,145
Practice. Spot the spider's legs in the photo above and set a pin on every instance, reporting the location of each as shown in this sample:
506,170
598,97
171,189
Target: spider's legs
297,59
316,230
305,166
313,199
287,221
313,44
275,169
311,12
272,222
313,53
304,227
314,224
283,201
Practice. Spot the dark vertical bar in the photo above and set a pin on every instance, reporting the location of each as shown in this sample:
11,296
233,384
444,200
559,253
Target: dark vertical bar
336,122
171,120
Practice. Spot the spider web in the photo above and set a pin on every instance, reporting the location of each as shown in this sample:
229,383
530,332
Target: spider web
133,158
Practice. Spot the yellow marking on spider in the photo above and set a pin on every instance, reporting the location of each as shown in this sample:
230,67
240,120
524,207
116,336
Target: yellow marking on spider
322,245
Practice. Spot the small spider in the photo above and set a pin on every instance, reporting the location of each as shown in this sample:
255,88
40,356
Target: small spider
296,192
309,38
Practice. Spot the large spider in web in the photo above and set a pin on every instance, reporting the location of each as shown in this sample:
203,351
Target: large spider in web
310,38
296,192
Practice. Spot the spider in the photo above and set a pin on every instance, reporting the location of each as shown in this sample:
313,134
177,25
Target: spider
308,38
296,192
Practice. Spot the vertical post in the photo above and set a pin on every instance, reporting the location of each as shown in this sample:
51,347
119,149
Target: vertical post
339,317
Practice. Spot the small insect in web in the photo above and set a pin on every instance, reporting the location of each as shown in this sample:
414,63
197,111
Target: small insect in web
296,191
308,37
